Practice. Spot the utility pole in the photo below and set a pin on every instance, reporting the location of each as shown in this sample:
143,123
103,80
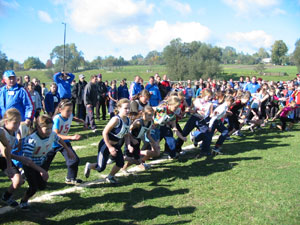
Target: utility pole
64,46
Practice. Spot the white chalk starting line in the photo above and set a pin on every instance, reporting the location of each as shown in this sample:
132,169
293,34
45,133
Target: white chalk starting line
135,169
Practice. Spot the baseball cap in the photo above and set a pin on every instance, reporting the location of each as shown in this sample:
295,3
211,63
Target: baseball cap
81,76
9,73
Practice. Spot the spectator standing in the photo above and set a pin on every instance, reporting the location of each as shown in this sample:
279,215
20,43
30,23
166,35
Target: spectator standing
189,94
253,86
155,96
20,81
135,87
166,84
36,99
14,96
44,90
123,90
77,95
142,83
63,81
162,89
27,80
90,100
113,98
51,100
101,101
73,100
37,86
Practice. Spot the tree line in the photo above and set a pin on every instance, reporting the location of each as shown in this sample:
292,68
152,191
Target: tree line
183,60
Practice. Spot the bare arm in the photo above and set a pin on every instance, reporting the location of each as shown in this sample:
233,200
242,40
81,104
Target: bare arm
5,148
111,124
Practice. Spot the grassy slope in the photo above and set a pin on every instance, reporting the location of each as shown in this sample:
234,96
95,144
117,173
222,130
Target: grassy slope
256,182
130,71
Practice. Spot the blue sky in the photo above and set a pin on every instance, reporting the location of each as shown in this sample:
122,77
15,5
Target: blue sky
129,27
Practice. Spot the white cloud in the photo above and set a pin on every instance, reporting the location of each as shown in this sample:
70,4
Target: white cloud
249,41
182,8
162,33
44,16
250,7
130,35
90,15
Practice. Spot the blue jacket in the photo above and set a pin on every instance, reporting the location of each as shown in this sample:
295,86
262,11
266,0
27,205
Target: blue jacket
135,89
16,97
63,86
123,92
50,105
189,93
155,96
252,87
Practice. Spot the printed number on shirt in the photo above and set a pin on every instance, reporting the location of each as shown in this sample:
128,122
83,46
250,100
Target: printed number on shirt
64,128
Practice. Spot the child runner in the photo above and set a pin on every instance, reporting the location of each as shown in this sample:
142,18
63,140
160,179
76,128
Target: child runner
62,123
113,136
36,146
8,129
284,116
11,121
165,123
202,108
216,123
138,130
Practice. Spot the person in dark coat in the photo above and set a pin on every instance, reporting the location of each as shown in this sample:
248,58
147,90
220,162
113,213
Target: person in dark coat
90,100
77,94
102,91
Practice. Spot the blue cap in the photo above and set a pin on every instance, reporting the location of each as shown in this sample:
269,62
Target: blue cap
9,73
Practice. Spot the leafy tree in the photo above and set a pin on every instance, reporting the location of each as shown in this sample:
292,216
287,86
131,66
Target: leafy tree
33,63
49,64
96,63
229,55
10,64
154,58
73,58
191,60
137,60
3,62
261,54
279,50
296,55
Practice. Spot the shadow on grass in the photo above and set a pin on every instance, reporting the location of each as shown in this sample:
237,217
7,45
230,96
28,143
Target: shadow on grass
171,172
134,210
262,140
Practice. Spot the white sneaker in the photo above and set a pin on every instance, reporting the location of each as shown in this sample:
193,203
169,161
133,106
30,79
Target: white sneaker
94,130
125,172
110,161
192,137
87,170
182,152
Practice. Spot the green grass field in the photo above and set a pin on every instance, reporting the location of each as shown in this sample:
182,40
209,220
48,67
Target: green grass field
255,182
129,72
